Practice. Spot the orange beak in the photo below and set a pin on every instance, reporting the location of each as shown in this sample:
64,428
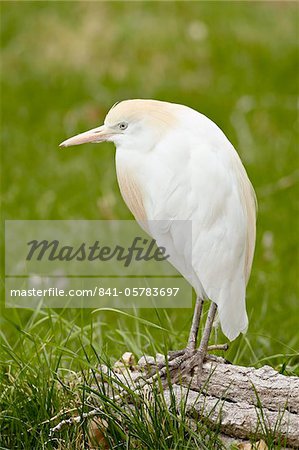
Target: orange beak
94,136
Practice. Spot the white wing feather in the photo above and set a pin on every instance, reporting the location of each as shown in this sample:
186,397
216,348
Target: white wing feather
195,174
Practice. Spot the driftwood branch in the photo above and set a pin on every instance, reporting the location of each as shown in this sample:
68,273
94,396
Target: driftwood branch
247,401
242,401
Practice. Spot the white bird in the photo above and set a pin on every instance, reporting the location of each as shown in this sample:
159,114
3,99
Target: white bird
174,164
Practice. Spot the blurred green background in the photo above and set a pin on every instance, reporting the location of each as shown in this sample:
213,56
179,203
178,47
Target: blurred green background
63,66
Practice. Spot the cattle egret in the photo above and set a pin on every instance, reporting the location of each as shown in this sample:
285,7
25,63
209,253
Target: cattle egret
175,164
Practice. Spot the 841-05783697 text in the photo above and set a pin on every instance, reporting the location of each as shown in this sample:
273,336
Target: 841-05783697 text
97,291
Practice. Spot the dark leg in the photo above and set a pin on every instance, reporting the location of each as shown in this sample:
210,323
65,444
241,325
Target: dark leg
203,347
185,360
190,349
195,324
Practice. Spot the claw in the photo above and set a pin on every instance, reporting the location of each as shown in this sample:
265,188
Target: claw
183,361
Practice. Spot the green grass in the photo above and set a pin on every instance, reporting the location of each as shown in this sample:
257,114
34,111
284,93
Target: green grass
63,65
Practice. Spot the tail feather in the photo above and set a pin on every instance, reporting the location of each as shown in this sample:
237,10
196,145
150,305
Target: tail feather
232,312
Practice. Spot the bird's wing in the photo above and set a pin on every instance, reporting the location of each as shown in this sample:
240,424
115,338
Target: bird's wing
208,185
224,237
249,202
199,177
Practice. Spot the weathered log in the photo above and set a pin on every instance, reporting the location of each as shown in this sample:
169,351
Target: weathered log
245,401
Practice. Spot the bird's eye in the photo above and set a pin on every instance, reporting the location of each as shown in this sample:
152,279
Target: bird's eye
122,125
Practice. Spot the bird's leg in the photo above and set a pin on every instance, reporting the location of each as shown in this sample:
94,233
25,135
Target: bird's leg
198,358
193,332
195,324
203,346
185,360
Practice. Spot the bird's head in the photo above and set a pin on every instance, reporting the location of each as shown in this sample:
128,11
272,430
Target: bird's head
135,124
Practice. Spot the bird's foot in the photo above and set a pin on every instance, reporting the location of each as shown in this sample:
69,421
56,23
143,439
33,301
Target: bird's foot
176,353
182,362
